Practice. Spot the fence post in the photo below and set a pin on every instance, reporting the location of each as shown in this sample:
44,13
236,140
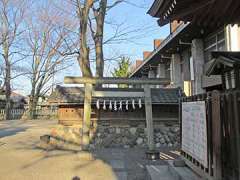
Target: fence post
236,106
216,135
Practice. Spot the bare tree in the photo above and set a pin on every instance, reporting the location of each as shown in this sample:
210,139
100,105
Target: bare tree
91,16
45,40
82,10
100,8
11,17
99,16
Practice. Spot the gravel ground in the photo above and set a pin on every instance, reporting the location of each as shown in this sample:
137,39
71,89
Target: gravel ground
21,159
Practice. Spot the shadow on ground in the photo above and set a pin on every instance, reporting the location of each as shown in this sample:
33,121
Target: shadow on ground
23,159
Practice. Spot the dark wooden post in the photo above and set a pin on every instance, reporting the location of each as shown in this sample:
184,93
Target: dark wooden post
216,135
149,119
237,78
236,129
87,114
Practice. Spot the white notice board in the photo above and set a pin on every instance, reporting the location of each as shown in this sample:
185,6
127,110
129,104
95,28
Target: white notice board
194,130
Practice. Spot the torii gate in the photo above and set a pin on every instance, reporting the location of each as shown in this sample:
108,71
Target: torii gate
89,82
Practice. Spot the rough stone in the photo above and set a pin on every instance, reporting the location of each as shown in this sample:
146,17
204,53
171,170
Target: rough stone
174,129
170,145
158,145
159,135
162,141
140,130
133,130
111,130
118,131
139,141
134,136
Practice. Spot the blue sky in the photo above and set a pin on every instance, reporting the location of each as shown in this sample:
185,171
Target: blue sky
132,18
136,18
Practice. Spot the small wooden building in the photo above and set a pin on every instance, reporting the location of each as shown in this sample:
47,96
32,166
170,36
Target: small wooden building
226,64
121,111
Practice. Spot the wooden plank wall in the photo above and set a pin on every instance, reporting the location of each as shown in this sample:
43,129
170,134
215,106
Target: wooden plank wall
231,139
69,115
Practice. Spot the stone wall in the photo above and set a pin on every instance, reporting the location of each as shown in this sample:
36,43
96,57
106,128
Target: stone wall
128,137
107,136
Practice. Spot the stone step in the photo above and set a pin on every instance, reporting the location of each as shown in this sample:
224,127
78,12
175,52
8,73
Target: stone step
182,172
170,172
159,172
121,175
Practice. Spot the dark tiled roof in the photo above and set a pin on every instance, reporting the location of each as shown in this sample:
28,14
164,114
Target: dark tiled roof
75,95
168,96
222,59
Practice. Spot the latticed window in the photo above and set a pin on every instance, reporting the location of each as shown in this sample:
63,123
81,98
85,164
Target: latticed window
214,42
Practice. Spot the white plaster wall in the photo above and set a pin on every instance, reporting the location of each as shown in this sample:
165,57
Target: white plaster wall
233,35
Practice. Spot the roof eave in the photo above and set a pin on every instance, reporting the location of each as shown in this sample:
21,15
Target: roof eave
154,9
222,60
164,43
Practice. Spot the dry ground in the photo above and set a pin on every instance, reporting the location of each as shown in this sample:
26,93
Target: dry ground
21,159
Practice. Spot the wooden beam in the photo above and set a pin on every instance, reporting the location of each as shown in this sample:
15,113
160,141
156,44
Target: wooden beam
110,80
149,119
217,18
200,20
233,12
191,9
216,13
117,94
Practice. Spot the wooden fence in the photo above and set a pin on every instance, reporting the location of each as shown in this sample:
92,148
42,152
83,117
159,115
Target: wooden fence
223,129
20,113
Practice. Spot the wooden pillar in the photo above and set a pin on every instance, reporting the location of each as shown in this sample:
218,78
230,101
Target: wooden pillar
237,78
87,114
198,64
149,119
176,76
216,135
236,115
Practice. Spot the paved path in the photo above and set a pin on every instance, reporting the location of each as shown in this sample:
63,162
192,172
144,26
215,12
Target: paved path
20,157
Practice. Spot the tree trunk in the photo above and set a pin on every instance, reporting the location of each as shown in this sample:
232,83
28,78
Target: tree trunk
8,90
99,58
33,107
33,102
83,58
98,39
36,90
